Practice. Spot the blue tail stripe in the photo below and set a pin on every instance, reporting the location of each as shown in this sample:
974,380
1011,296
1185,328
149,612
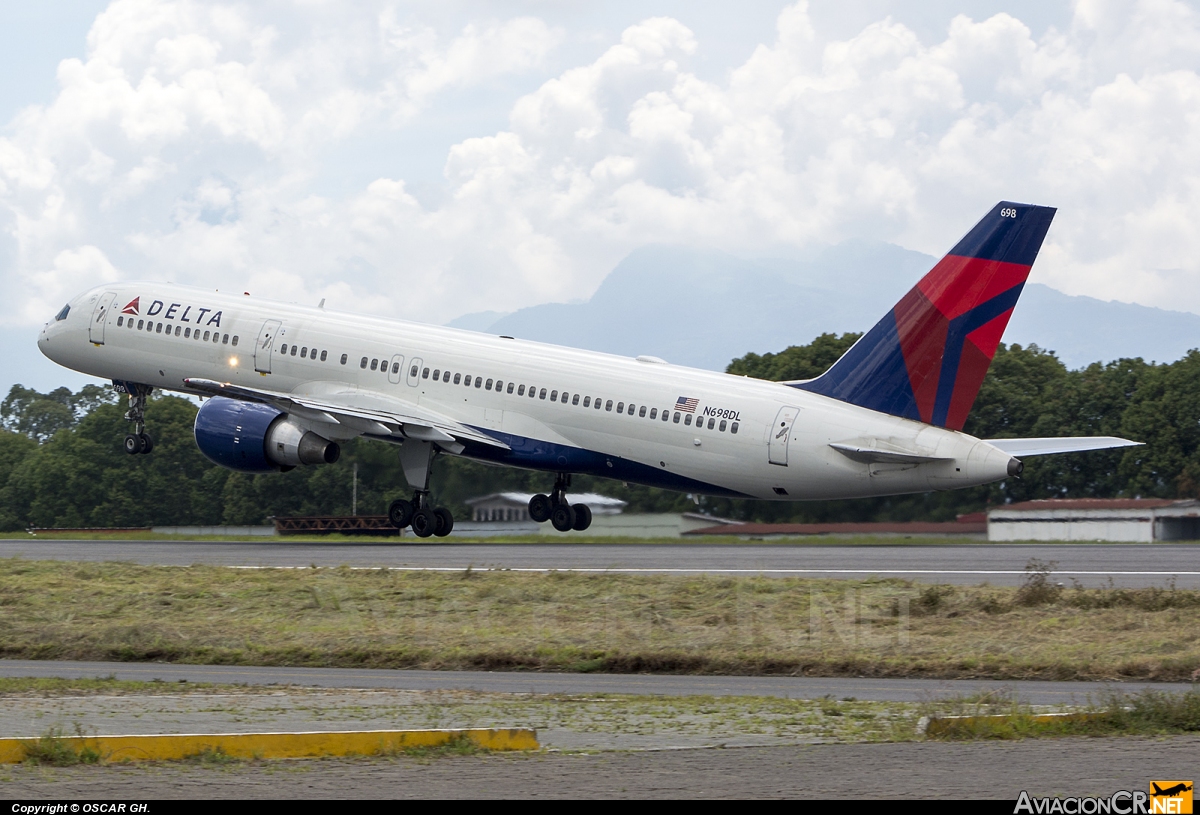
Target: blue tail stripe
956,336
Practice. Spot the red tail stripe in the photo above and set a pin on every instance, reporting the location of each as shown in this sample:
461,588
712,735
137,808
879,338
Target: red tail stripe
958,284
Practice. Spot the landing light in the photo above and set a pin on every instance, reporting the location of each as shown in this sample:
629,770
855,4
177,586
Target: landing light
233,362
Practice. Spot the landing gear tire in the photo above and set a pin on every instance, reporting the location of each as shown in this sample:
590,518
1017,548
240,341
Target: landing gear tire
444,522
400,513
583,517
146,443
423,523
540,508
563,517
133,445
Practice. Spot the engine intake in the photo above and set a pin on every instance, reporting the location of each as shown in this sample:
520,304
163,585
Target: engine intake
257,438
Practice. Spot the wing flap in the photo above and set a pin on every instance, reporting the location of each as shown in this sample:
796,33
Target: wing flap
1065,444
402,419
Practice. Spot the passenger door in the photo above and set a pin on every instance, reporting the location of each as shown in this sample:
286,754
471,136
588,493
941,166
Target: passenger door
781,432
100,317
265,345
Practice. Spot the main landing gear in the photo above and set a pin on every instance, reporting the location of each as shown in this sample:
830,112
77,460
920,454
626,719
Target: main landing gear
416,458
554,508
138,442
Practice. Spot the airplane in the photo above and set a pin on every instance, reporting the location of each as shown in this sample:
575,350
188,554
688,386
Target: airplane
283,385
1170,792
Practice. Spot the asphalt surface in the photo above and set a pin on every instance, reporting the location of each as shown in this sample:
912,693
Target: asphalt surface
1066,767
1128,565
789,687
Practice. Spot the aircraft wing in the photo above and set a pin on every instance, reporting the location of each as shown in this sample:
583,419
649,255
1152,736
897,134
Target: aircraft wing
1065,444
386,417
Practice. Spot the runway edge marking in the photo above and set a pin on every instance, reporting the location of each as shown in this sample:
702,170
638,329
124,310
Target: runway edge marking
169,747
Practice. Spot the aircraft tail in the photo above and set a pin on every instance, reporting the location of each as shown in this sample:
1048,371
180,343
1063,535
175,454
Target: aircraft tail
927,357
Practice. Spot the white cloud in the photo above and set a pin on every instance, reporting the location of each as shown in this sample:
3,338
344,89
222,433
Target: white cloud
185,147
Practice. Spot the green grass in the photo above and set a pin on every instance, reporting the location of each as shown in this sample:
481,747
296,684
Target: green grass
561,621
53,750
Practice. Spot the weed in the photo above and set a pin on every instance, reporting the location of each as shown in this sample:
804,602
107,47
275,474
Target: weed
54,750
1038,590
460,744
211,757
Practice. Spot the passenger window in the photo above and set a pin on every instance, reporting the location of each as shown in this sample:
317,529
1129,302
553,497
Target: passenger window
666,415
206,336
733,428
225,341
374,364
323,354
159,331
553,396
395,367
437,374
543,394
293,352
687,420
676,417
187,333
609,405
412,371
456,376
520,390
653,413
488,385
120,321
363,363
304,352
478,381
177,330
597,406
642,412
510,387
575,399
282,348
234,337
721,428
620,407
587,401
217,338
499,386
425,374
711,422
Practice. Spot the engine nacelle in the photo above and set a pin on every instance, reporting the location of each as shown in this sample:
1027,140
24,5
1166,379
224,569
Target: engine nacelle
257,438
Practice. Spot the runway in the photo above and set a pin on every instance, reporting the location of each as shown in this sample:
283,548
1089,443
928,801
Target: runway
1126,565
787,687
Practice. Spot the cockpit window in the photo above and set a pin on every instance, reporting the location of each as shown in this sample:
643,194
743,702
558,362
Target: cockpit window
62,315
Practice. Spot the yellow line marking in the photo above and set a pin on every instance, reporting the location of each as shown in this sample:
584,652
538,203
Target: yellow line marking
275,745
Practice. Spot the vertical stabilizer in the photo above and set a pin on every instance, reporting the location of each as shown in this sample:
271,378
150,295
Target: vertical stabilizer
927,357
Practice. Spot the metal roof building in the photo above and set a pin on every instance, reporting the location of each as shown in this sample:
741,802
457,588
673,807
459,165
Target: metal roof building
1131,520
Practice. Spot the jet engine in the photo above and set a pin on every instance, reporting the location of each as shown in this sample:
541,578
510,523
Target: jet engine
257,438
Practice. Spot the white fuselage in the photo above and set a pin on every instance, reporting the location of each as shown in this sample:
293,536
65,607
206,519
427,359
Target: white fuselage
757,460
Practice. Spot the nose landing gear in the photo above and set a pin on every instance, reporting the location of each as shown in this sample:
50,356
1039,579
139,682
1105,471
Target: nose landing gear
138,442
554,508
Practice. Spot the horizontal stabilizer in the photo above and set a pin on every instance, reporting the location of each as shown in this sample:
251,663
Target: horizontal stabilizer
874,455
1066,444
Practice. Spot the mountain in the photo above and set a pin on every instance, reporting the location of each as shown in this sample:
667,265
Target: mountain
703,308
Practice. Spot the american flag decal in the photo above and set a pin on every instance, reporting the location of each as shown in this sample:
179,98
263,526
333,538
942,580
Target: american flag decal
686,405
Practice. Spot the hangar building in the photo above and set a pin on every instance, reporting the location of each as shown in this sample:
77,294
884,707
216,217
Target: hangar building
1131,520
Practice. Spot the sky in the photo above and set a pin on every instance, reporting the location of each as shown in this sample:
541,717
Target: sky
430,159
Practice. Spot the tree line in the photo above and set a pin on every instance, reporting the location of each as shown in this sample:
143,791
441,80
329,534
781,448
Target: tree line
62,462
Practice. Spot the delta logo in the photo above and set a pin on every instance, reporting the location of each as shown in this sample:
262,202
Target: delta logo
1170,797
132,306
